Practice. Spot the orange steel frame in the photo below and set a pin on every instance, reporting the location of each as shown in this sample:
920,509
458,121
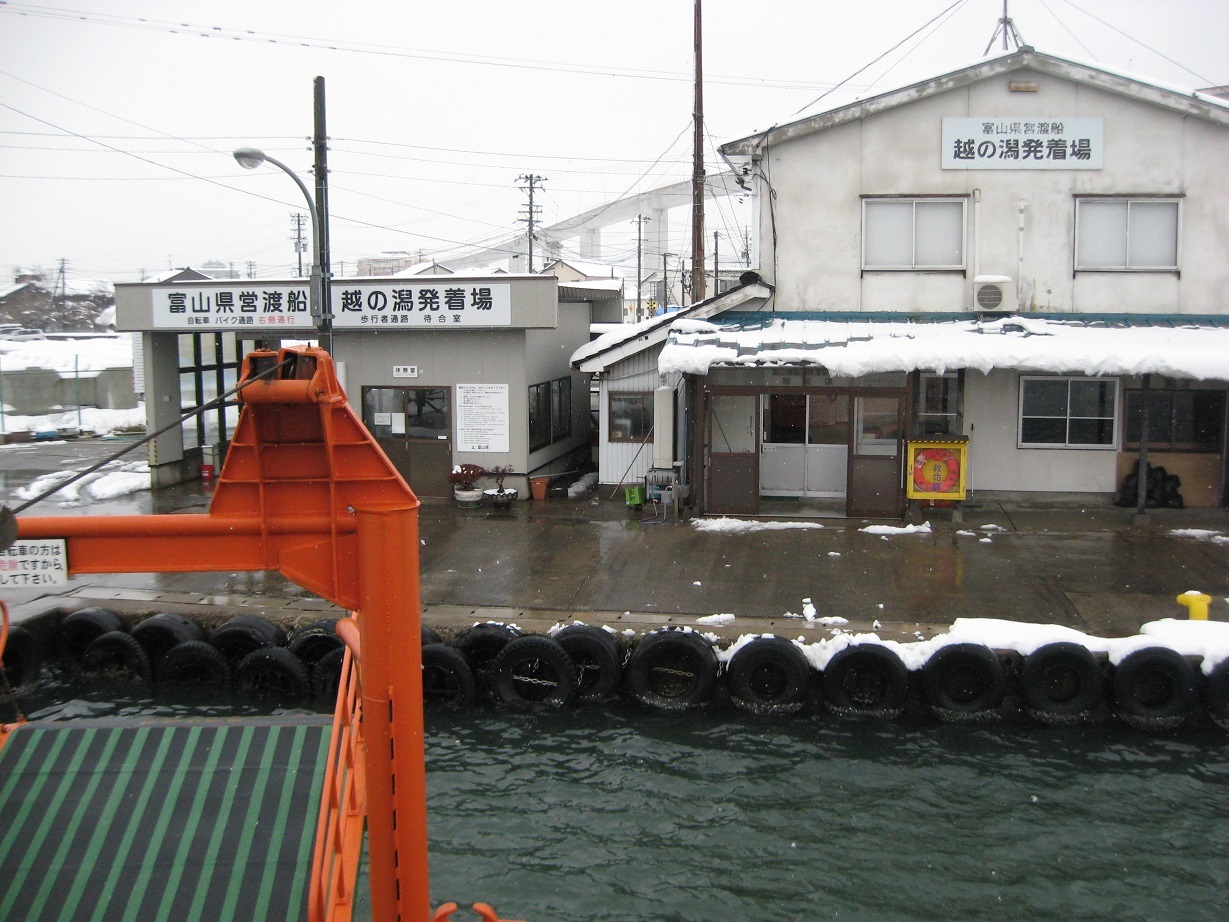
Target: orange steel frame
307,491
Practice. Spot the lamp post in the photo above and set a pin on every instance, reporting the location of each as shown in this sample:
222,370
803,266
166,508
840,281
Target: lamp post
250,158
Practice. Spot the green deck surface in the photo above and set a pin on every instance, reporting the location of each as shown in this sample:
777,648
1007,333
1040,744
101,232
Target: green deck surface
160,820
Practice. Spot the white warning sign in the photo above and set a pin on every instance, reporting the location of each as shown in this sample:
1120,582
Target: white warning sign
34,562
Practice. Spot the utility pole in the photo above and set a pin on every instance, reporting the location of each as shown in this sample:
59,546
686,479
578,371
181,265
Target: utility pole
640,221
531,213
251,269
59,292
320,147
665,282
697,171
716,277
296,222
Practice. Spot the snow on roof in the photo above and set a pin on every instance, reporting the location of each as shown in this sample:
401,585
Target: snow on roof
857,348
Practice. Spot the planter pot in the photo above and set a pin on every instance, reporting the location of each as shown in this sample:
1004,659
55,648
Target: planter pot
502,498
538,486
468,499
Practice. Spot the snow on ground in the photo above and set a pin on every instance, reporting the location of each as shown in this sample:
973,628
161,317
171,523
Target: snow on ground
923,529
1200,534
116,479
726,526
87,419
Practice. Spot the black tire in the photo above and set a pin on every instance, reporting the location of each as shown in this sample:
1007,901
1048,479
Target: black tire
1218,694
159,633
534,671
1061,680
82,627
430,635
326,674
194,663
446,676
671,670
598,659
866,680
314,640
273,671
242,636
964,680
117,654
22,659
480,645
1155,686
769,675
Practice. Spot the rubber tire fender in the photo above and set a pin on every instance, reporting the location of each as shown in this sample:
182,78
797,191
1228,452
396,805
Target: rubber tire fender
312,641
326,674
78,629
964,679
273,671
446,676
865,680
429,635
22,658
1155,683
480,645
598,658
534,671
671,670
769,674
1061,679
159,633
117,652
240,637
194,663
1217,692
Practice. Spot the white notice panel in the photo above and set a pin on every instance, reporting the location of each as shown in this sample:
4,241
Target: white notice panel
34,562
482,417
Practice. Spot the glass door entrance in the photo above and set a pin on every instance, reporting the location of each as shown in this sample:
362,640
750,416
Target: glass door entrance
805,445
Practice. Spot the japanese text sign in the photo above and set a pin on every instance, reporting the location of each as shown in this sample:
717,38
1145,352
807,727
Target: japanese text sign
438,304
253,306
1023,143
34,562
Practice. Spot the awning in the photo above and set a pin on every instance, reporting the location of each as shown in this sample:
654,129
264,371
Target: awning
1193,348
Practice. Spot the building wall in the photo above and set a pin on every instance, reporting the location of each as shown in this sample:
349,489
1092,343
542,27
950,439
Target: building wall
626,462
819,178
547,357
991,412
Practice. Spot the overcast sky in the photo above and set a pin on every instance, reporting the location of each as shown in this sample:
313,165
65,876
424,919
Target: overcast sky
117,120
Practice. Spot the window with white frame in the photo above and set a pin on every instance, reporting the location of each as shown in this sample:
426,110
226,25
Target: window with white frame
1127,234
1067,412
913,233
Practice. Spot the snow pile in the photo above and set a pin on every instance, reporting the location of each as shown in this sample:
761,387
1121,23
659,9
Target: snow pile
727,526
87,419
583,485
1200,534
116,479
67,356
923,529
847,349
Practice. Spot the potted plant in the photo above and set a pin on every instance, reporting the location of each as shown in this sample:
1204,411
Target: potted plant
464,480
500,496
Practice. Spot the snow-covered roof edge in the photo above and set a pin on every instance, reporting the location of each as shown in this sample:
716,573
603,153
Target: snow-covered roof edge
598,354
1188,101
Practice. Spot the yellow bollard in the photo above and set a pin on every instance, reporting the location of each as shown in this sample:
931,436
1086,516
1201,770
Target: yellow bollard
1196,603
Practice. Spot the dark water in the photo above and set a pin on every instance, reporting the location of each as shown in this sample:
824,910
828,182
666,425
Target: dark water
618,815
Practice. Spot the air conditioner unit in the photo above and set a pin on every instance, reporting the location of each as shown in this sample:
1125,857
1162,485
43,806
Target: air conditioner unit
994,293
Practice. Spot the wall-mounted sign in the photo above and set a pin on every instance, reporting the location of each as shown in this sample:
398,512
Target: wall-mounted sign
1015,143
482,417
436,305
405,371
937,469
251,306
34,562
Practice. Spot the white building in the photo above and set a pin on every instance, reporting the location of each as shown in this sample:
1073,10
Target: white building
1026,186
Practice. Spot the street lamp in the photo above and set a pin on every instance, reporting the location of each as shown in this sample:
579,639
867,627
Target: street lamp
250,158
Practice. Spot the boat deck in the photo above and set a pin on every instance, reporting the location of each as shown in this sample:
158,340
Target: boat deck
157,819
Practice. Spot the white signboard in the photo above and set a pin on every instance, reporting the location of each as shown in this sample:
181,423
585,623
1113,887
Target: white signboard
1015,143
252,306
435,305
482,417
34,562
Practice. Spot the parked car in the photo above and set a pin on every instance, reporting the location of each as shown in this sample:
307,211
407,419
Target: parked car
22,333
